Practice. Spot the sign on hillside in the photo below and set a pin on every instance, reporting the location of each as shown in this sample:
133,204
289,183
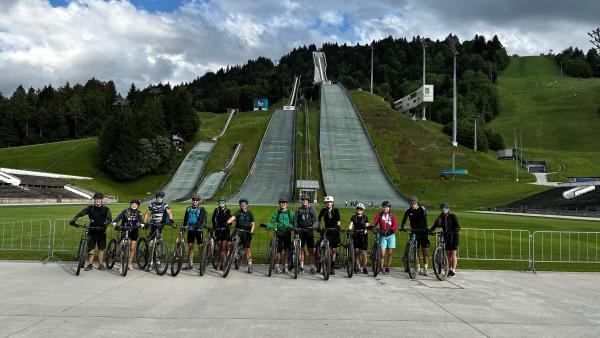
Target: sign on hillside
423,95
261,104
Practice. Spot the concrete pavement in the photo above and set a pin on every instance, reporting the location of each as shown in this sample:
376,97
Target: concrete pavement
48,300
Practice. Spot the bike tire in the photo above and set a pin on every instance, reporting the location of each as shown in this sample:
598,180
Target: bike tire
177,260
206,252
141,253
350,259
125,259
412,261
111,254
272,254
81,254
216,255
440,264
161,258
230,259
318,258
326,261
237,259
296,260
375,260
405,257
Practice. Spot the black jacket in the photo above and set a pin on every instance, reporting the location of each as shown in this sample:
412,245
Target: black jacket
448,223
99,215
417,217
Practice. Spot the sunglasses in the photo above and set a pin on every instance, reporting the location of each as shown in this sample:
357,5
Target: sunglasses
195,199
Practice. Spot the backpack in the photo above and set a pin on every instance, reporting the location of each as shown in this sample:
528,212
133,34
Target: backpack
194,216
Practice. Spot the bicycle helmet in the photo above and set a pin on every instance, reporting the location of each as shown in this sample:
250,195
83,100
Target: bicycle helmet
444,206
138,202
283,200
414,200
304,197
160,194
328,199
222,200
98,195
196,197
386,204
360,206
243,200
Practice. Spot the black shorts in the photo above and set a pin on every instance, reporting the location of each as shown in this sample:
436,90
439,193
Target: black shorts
245,239
360,241
334,238
308,239
284,241
194,235
96,238
451,241
423,240
134,234
222,235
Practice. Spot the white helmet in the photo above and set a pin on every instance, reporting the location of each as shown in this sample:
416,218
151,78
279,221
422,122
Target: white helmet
360,206
328,199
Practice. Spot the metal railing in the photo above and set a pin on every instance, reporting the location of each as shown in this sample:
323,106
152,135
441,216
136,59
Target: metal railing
31,235
565,247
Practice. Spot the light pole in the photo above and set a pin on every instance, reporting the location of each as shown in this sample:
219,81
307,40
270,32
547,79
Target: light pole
516,153
476,117
423,42
452,46
372,67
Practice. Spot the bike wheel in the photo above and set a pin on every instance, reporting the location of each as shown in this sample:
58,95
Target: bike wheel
177,260
216,257
111,254
81,254
412,261
230,258
375,258
350,259
405,258
206,255
124,258
440,264
326,261
237,259
161,258
272,254
318,263
296,260
141,253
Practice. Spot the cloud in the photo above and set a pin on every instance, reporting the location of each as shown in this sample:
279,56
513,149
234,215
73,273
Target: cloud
126,42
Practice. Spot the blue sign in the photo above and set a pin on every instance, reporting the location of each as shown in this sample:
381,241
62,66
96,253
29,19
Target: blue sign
261,104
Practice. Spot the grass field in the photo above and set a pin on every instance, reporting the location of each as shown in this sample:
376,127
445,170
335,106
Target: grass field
27,227
413,152
558,116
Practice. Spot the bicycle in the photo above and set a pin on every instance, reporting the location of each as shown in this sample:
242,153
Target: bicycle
210,252
272,249
154,253
440,257
376,254
323,253
350,261
179,253
236,252
411,254
119,251
297,249
82,251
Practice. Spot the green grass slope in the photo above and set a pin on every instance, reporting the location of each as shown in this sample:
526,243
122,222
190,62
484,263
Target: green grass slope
558,115
412,152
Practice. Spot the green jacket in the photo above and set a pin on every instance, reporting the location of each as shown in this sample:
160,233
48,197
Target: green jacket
282,220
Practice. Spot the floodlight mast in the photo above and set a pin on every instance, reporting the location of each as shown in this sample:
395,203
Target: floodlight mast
423,42
452,46
372,67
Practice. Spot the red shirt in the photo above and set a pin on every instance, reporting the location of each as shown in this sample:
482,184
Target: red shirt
386,221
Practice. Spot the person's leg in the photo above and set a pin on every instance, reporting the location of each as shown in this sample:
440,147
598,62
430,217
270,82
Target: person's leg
381,256
131,251
454,255
390,255
190,255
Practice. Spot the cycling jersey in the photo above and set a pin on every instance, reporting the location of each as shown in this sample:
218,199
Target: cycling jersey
283,220
158,213
243,219
99,216
387,222
129,217
417,217
306,217
448,222
195,218
220,217
359,221
330,216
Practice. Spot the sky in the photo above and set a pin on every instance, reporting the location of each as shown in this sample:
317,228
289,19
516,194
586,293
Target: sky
150,41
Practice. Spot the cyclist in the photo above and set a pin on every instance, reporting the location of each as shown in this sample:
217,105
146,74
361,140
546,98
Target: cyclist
132,217
306,218
222,218
195,221
418,224
100,217
449,224
159,210
388,224
360,222
245,220
283,221
331,215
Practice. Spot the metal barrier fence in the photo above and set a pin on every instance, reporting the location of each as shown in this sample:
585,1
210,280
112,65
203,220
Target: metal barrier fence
565,247
59,238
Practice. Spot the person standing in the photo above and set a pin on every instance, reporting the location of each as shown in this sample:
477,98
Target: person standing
387,226
449,224
331,218
244,220
359,223
283,222
195,221
221,221
307,219
100,217
131,217
418,224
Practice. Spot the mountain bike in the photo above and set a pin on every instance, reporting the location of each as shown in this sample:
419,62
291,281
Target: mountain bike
82,251
323,253
236,252
210,250
376,253
272,249
156,253
411,255
297,248
120,252
179,253
440,257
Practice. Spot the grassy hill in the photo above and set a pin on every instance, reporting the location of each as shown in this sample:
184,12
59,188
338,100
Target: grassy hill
81,157
558,115
413,151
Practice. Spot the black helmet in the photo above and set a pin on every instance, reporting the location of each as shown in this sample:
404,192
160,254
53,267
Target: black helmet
196,197
160,194
283,200
386,204
138,202
413,200
243,200
304,197
98,195
444,205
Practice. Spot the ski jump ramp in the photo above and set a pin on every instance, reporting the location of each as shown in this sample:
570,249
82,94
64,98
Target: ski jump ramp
349,164
185,179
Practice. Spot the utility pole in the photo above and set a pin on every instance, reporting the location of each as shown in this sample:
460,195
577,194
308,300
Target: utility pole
372,67
521,142
476,117
424,63
452,46
516,153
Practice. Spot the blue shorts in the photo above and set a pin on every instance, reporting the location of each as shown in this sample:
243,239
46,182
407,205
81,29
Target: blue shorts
387,242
